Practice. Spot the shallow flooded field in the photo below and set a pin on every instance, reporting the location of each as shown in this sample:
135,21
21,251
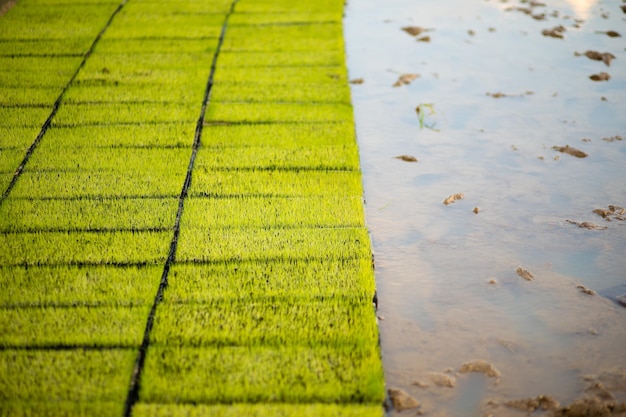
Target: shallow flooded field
493,146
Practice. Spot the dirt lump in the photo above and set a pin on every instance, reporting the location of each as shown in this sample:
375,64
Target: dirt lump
481,367
401,400
570,151
525,273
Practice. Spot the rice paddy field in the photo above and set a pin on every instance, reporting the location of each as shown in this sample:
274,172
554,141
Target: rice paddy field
181,213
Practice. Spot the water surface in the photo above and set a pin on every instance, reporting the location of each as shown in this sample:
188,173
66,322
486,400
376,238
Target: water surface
497,96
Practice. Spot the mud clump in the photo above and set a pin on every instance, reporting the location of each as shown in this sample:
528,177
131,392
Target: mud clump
613,138
452,198
405,79
556,32
585,290
406,158
611,213
415,30
443,380
605,57
357,81
401,400
603,76
591,407
525,273
530,405
587,225
480,366
621,300
570,151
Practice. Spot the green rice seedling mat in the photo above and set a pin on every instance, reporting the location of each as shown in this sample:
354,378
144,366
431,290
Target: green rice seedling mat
181,212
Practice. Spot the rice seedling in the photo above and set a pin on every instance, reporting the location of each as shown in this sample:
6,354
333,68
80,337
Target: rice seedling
73,114
250,19
179,135
336,322
283,6
40,66
12,137
207,245
258,410
273,92
277,183
45,47
10,159
262,374
285,135
199,283
55,21
143,25
56,376
183,78
72,326
53,248
178,7
60,408
147,160
343,157
275,38
75,285
22,97
278,112
87,214
241,59
74,184
257,212
23,116
334,75
149,46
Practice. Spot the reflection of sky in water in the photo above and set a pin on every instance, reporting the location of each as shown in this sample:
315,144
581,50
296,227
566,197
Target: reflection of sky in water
582,8
434,261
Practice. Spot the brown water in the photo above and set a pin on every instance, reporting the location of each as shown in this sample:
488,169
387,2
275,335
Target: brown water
495,96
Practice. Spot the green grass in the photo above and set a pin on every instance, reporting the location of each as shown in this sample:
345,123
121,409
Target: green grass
272,244
258,212
81,376
73,285
274,135
73,326
278,183
45,248
289,321
258,410
87,214
127,182
192,283
115,136
261,374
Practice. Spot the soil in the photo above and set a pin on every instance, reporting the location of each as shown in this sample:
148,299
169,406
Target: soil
5,6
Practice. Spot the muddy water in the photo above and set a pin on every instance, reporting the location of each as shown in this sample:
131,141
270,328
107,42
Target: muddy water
497,99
